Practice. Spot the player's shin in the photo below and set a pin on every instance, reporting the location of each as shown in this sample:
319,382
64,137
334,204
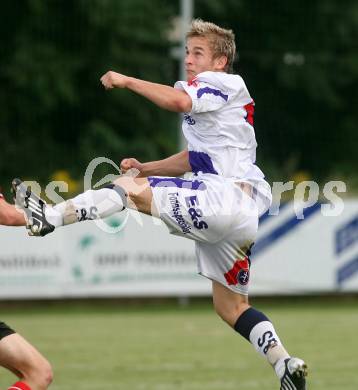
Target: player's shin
92,204
260,332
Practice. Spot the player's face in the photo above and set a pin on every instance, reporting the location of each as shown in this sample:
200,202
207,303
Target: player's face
199,58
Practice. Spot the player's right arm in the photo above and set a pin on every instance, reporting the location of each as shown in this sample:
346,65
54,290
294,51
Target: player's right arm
163,96
175,165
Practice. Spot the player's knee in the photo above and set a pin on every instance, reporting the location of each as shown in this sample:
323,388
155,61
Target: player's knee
137,190
223,312
136,200
230,312
40,374
46,375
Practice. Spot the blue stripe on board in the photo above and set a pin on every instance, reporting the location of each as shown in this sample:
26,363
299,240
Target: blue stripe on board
347,271
282,230
266,216
347,235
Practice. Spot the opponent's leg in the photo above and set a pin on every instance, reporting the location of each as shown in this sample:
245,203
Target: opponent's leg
20,357
250,323
9,215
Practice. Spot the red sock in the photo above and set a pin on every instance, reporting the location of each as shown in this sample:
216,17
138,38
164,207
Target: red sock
19,386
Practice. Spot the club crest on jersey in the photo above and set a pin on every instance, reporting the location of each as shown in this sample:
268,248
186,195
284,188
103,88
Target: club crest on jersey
189,120
239,273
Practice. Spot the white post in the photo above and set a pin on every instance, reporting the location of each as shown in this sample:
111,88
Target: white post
186,16
186,13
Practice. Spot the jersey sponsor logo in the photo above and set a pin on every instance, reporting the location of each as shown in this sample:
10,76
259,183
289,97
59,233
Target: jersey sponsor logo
211,91
195,213
189,120
176,212
239,273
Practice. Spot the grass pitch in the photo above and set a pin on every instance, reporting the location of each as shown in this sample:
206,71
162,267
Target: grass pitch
110,346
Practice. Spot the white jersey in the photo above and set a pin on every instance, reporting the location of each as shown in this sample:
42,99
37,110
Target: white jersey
220,133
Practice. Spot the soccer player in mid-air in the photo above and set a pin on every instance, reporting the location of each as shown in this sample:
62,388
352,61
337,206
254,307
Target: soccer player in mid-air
218,206
17,354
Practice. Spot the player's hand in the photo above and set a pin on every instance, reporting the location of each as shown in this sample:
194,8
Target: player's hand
114,80
129,163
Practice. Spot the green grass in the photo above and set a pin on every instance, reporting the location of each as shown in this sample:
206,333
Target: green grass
163,347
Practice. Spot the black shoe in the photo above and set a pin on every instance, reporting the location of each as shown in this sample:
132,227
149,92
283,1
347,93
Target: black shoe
294,376
34,208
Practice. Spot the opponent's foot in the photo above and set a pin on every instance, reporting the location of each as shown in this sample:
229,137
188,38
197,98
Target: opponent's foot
294,375
34,208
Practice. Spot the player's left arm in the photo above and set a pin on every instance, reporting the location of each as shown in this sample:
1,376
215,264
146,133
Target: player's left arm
175,165
164,96
9,215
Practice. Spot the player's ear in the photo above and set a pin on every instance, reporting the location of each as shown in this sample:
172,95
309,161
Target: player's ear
221,62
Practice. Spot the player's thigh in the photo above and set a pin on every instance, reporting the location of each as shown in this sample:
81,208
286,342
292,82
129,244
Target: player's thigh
191,208
19,355
226,262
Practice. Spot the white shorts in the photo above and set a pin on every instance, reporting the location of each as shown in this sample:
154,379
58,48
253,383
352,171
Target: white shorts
219,216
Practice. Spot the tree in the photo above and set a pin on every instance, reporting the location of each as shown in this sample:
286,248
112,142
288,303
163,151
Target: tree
300,62
55,114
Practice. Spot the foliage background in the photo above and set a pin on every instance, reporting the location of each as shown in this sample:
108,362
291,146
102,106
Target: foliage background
298,58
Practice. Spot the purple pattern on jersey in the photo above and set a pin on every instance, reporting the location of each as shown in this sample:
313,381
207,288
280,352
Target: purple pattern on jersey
201,161
176,182
212,91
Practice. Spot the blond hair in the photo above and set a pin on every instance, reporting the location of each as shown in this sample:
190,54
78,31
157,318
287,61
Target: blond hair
221,41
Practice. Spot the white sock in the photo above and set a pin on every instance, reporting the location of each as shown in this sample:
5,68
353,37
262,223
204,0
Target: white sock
92,204
280,367
266,341
53,215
